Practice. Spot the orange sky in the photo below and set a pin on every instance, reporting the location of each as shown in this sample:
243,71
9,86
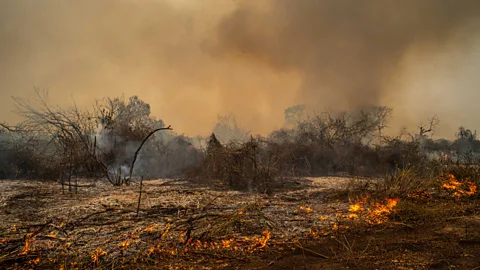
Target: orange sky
193,60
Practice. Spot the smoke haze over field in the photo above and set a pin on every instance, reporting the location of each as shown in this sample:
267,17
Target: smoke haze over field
192,60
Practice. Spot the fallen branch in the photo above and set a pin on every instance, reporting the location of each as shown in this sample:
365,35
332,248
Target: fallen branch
217,255
311,251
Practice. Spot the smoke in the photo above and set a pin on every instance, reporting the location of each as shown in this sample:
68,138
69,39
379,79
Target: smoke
193,60
346,51
163,155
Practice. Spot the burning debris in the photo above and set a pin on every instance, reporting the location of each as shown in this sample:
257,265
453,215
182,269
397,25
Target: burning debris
186,225
28,244
373,213
97,255
459,189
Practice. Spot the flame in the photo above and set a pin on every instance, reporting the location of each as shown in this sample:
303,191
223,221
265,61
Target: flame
167,229
97,254
35,261
381,212
266,236
152,228
452,183
374,215
150,251
356,208
125,244
459,189
28,243
234,244
353,216
304,209
472,188
227,243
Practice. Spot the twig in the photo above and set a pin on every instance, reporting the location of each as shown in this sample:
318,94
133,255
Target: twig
311,251
210,203
9,128
217,255
276,259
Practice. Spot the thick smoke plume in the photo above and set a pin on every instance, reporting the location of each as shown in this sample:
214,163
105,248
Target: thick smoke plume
192,60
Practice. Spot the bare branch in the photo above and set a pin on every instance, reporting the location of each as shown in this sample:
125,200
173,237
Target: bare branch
141,145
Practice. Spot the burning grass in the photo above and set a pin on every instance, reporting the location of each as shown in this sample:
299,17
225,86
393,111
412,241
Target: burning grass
176,223
372,213
457,188
184,226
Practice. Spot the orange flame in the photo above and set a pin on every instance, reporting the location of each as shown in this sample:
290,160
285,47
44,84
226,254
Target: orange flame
459,189
151,251
35,261
125,244
167,229
380,213
266,236
375,215
28,243
306,209
152,228
97,254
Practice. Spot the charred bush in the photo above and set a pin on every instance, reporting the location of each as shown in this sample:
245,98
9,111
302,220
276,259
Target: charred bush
99,143
241,166
329,144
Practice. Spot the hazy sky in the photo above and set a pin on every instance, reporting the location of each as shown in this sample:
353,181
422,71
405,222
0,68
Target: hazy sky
192,60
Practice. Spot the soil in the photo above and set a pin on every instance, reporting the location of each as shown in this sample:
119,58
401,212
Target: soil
180,225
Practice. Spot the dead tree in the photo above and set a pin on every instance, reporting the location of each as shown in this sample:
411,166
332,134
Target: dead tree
433,122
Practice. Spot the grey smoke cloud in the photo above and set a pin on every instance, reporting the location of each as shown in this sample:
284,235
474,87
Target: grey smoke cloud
345,50
192,60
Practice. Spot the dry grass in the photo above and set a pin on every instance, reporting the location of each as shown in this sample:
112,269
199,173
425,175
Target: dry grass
185,226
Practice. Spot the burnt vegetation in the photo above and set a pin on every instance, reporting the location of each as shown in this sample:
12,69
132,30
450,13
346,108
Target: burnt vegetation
63,143
323,180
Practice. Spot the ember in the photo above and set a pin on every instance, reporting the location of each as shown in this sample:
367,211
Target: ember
375,214
459,189
28,243
124,245
97,254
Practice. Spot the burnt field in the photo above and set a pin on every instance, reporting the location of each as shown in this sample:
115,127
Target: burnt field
315,223
326,191
355,145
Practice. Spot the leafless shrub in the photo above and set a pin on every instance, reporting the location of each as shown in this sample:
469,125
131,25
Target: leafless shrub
243,166
66,133
228,130
406,180
332,143
103,142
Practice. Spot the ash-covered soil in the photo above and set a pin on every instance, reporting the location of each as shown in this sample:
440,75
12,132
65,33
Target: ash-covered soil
180,225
